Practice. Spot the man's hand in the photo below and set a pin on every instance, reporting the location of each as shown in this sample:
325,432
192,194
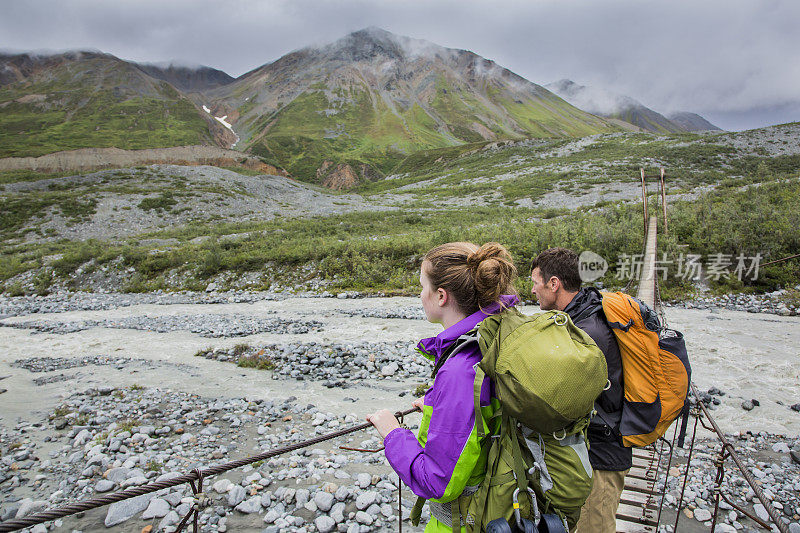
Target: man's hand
384,421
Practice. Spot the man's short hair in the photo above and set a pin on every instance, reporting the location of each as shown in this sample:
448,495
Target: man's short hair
561,263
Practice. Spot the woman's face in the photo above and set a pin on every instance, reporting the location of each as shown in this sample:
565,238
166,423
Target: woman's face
430,297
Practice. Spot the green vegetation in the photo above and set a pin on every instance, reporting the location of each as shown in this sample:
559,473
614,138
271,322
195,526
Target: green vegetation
752,209
105,120
17,176
161,202
127,424
380,251
355,126
420,390
17,211
257,361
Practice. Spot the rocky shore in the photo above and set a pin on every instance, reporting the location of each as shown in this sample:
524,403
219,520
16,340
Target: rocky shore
772,303
773,460
64,301
108,439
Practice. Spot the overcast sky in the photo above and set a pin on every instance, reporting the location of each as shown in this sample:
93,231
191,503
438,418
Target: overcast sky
735,62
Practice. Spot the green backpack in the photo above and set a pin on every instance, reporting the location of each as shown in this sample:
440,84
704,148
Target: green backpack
547,374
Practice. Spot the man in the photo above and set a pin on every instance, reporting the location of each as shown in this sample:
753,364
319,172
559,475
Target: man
557,285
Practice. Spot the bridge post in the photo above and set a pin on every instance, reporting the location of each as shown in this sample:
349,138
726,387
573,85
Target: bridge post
664,201
644,200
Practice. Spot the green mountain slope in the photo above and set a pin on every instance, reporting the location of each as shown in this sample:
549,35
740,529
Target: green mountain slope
374,97
87,99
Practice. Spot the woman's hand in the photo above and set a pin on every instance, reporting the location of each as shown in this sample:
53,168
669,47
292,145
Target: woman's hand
418,403
384,421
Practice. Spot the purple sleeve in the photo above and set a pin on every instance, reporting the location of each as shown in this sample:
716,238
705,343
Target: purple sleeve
427,470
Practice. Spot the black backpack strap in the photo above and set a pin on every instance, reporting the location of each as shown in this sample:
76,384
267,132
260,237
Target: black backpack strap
684,423
459,343
605,417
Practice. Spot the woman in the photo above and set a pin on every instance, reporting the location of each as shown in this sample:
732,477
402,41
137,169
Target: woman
461,285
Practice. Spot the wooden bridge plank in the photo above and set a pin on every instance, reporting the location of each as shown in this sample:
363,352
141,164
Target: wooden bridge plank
634,513
640,499
639,485
623,526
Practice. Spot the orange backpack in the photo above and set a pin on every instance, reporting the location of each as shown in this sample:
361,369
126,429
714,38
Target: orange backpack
655,369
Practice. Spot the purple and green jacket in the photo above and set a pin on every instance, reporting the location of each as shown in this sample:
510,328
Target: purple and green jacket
446,456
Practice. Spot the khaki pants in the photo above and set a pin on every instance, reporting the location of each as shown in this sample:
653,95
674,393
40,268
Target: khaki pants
598,514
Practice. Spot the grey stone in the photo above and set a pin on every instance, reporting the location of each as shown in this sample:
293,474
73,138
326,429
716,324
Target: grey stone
28,507
324,500
158,508
133,481
82,437
794,527
761,512
302,496
337,512
183,508
364,518
342,493
271,516
121,511
253,505
365,499
117,475
325,524
363,480
104,485
780,447
390,369
701,515
222,485
171,519
173,498
236,495
747,405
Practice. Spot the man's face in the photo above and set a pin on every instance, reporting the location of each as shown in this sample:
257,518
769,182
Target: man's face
542,291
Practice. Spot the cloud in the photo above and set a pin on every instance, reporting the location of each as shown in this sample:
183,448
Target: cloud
715,56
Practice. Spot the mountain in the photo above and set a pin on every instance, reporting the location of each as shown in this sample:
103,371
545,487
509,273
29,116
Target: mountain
72,100
611,105
337,114
359,105
692,122
187,78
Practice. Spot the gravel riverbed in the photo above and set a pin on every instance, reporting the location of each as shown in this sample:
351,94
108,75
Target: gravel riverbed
146,393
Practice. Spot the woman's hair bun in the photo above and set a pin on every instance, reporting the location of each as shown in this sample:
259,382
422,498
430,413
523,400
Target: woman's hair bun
494,272
476,276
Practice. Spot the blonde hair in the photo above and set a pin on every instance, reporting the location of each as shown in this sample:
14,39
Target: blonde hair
475,276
